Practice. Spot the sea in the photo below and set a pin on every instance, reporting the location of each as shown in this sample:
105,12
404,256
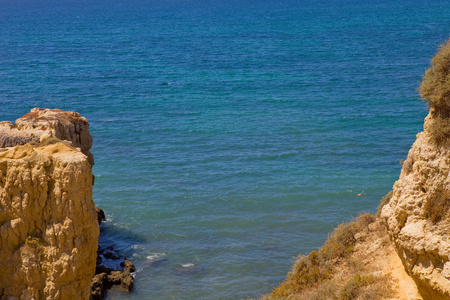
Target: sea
229,136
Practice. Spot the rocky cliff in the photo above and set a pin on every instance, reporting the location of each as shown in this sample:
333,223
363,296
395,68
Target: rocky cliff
414,262
417,215
48,223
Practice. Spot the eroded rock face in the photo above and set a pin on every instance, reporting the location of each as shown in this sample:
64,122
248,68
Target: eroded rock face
423,245
42,123
48,223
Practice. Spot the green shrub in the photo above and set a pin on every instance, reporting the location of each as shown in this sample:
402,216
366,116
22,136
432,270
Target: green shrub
363,220
342,241
435,87
367,287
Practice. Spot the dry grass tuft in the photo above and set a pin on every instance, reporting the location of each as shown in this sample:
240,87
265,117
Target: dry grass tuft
438,207
310,270
352,288
385,200
367,287
439,129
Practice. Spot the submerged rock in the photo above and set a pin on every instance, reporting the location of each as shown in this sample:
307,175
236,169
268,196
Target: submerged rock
189,269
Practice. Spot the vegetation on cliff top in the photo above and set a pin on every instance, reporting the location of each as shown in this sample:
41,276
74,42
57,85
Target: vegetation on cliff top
435,88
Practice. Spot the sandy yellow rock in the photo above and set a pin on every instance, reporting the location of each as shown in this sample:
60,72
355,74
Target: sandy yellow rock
423,246
48,224
40,124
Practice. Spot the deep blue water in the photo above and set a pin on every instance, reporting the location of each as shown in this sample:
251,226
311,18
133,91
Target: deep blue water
229,136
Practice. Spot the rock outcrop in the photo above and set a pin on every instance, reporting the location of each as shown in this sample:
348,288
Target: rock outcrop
423,245
41,124
418,214
105,278
48,223
118,274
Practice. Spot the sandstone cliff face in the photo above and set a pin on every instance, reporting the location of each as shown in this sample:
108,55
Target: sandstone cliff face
48,224
43,123
423,245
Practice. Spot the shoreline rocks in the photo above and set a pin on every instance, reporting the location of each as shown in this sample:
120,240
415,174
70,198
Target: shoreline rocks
105,278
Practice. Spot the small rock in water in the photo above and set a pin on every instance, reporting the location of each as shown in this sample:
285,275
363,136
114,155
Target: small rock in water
156,259
100,215
128,266
98,286
107,277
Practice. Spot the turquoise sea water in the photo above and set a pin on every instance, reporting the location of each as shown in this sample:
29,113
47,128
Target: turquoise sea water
228,137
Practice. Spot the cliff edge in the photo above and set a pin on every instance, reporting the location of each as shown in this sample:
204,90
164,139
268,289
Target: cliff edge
404,252
417,214
48,223
42,123
421,240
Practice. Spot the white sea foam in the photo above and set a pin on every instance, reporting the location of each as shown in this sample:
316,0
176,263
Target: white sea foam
155,256
187,265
